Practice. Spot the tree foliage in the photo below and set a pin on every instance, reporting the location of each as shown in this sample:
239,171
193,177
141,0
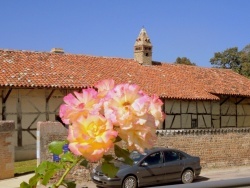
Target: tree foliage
232,58
184,61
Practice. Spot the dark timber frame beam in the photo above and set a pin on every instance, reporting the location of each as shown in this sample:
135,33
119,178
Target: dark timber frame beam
4,99
19,121
240,101
224,100
47,104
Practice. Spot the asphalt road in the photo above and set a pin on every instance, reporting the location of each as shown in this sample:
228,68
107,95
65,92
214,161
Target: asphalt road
238,177
229,183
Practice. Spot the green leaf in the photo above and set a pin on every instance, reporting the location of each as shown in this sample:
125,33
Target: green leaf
47,176
84,163
25,185
56,147
109,169
41,169
68,157
46,166
119,152
108,158
34,179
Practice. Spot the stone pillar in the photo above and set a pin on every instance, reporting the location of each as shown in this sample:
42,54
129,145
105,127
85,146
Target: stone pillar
55,131
7,149
46,133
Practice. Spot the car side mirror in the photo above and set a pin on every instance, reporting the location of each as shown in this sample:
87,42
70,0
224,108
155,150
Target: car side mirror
144,164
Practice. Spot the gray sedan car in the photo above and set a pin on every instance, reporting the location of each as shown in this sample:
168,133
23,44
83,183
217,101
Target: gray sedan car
155,166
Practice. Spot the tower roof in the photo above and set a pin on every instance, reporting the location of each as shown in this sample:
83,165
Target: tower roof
143,38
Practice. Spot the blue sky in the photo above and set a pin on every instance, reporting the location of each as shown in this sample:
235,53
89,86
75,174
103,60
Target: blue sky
177,28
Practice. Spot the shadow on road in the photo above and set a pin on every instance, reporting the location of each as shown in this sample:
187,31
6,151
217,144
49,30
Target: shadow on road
198,179
201,178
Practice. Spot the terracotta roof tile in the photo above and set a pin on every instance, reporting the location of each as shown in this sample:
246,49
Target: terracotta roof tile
43,69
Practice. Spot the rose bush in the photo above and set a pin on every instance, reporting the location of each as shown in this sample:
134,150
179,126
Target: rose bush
98,119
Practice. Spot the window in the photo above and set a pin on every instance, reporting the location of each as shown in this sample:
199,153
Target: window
153,159
171,156
194,124
146,54
181,156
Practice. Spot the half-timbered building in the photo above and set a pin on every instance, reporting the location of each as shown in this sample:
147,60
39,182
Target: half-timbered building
33,84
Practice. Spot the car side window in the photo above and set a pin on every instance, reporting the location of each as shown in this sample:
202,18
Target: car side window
171,156
182,156
153,159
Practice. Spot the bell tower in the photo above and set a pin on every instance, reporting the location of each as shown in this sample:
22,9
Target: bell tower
143,48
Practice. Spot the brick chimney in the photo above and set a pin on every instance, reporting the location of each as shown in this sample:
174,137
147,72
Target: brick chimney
57,51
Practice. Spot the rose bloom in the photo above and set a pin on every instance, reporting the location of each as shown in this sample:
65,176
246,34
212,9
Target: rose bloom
91,137
79,104
155,109
140,134
135,115
104,87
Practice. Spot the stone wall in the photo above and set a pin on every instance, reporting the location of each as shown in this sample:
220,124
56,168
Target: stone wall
7,149
216,147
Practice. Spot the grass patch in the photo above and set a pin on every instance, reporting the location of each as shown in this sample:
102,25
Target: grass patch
24,167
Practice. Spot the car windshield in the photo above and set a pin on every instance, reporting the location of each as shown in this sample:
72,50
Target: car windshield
137,156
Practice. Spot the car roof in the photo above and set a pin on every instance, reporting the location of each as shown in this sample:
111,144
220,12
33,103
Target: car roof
154,149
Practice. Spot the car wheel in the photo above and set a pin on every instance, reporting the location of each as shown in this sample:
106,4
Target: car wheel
187,176
129,182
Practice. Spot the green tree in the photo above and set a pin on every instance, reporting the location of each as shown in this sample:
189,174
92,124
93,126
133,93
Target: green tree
228,59
246,49
245,62
232,58
183,60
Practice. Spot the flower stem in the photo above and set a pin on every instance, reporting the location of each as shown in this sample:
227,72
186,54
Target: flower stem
66,172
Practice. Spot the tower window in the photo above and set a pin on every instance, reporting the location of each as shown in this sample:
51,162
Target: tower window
146,54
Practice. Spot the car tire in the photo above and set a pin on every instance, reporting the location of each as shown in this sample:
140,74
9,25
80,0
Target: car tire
187,176
129,182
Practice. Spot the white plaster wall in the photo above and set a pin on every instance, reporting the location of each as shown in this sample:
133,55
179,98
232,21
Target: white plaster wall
172,106
216,121
215,107
176,121
192,108
243,121
184,106
33,109
11,103
186,121
204,107
55,102
204,121
228,121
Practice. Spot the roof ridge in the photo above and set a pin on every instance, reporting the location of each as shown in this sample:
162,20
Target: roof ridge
66,54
